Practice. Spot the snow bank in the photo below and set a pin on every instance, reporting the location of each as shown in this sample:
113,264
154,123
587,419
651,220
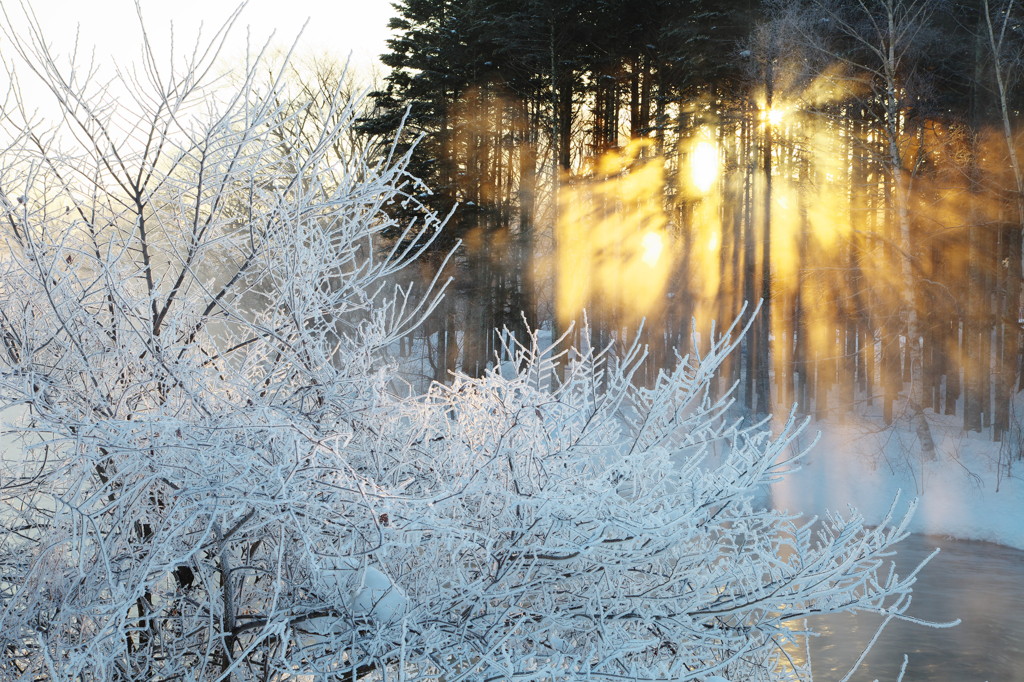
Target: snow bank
966,493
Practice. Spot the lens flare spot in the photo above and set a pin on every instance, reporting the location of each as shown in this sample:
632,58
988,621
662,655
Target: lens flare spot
714,242
652,245
774,116
704,166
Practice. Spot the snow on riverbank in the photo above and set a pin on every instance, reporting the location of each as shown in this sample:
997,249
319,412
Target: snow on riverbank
967,493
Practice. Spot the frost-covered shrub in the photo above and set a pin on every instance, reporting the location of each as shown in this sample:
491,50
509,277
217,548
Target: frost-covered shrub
208,476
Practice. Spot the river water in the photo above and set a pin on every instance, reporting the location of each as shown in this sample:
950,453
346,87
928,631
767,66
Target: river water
980,583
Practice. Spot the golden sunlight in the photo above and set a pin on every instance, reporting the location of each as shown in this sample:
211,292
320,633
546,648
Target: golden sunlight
612,252
652,245
774,115
704,166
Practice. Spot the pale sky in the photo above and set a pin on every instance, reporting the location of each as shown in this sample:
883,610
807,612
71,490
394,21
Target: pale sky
337,27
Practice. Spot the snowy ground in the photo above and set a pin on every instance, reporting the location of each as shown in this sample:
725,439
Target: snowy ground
974,490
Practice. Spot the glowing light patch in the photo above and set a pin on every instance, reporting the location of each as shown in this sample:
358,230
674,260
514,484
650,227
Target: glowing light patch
704,166
774,116
714,241
614,255
652,245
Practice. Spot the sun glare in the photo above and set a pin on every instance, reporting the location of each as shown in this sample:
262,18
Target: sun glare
774,116
704,166
652,244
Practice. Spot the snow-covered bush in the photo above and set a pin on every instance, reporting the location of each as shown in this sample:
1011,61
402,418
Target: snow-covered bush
208,474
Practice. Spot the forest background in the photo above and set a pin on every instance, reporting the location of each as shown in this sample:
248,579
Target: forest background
852,165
